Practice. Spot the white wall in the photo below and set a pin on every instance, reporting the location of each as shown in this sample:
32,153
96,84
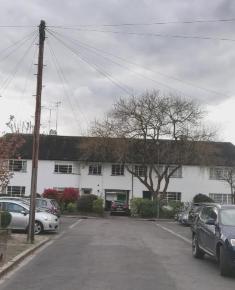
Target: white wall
194,180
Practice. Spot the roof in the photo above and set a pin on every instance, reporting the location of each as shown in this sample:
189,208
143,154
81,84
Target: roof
73,148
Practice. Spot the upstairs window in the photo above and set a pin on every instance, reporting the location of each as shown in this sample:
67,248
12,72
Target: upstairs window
218,173
177,173
17,165
140,170
117,169
95,169
63,168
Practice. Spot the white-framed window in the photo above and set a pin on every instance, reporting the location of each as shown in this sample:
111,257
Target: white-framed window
16,190
63,168
218,173
95,169
140,170
222,198
117,169
17,165
176,196
177,173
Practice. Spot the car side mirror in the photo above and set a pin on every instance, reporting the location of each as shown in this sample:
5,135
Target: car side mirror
211,222
24,212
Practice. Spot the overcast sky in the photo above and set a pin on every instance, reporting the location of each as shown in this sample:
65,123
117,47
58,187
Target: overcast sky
91,60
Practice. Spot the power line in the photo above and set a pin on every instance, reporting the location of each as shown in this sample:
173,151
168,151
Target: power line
17,26
101,52
16,45
177,36
149,24
94,66
10,77
63,80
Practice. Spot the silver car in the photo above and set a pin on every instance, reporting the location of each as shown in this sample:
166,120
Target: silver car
19,210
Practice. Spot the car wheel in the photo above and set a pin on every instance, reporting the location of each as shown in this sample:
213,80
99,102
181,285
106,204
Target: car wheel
38,228
197,252
225,269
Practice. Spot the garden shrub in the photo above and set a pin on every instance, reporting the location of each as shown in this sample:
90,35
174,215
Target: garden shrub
135,206
202,198
52,193
71,207
98,206
85,202
69,195
148,208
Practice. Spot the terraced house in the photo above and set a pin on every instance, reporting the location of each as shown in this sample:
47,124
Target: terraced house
64,162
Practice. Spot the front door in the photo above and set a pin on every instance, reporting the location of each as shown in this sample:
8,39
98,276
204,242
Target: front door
19,215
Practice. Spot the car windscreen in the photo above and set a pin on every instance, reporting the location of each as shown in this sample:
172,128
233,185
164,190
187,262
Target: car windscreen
228,217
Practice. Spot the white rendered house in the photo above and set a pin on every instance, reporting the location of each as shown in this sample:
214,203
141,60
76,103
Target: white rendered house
60,166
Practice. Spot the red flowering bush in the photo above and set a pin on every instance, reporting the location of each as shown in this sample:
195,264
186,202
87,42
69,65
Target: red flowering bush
70,195
52,193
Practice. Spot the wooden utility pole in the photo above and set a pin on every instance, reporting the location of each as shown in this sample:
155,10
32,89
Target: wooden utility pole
36,134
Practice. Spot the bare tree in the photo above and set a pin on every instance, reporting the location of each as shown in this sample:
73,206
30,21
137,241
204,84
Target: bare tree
228,175
153,134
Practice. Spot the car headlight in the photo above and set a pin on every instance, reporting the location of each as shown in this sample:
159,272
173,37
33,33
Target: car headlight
232,241
46,218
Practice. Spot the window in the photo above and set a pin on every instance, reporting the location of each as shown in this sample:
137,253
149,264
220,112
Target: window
140,170
176,196
218,173
63,168
208,212
117,169
16,190
177,173
95,169
13,207
222,198
17,165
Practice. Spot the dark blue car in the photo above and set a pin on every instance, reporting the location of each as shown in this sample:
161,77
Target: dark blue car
213,233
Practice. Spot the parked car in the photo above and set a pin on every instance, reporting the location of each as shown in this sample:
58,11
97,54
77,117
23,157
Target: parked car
213,233
49,205
19,210
119,207
183,217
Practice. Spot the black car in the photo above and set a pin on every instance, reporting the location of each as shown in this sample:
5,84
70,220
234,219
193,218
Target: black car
213,233
119,207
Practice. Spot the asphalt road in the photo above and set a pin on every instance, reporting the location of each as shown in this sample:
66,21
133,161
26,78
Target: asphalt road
118,253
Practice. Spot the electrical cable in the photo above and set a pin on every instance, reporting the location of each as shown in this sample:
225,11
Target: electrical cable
94,66
101,52
177,36
149,24
63,81
16,45
10,77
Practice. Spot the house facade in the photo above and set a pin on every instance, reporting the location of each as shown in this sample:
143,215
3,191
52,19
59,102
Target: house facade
61,165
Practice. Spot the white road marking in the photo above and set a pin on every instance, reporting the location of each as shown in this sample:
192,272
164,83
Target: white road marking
74,225
174,233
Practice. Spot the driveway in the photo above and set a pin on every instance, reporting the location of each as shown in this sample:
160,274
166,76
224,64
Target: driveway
118,253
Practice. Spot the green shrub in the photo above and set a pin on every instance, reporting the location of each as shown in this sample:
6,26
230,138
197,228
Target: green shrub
135,205
71,207
148,208
85,202
202,198
5,219
98,206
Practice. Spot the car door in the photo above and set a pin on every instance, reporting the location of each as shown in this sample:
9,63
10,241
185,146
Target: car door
19,215
208,231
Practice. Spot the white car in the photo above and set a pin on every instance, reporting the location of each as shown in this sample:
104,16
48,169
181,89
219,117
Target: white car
19,210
